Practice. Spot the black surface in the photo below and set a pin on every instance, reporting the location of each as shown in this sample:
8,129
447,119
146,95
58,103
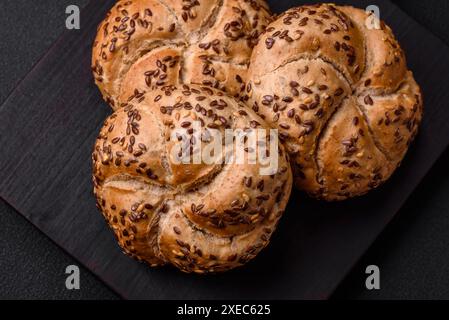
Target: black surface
31,265
413,264
413,251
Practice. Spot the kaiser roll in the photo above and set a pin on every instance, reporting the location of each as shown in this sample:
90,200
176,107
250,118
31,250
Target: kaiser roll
200,217
338,89
154,43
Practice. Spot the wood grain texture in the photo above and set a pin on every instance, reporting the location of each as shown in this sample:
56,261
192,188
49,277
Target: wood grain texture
48,127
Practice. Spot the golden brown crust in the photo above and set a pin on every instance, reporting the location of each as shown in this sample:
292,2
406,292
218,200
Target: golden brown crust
198,217
210,40
341,95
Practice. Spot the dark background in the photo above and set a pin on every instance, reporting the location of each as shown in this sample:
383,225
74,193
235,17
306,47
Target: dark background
412,253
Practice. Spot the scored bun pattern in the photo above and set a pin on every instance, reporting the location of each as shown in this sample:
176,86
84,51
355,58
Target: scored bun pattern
199,217
147,44
341,95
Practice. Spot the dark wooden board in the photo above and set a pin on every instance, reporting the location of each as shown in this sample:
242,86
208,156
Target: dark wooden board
49,124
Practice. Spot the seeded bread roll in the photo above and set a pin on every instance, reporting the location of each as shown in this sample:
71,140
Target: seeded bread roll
203,217
340,94
145,44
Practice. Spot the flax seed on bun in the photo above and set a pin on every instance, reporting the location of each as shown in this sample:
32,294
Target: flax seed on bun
198,217
146,44
341,95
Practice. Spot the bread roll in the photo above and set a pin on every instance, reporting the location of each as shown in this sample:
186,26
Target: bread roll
145,44
204,217
341,95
